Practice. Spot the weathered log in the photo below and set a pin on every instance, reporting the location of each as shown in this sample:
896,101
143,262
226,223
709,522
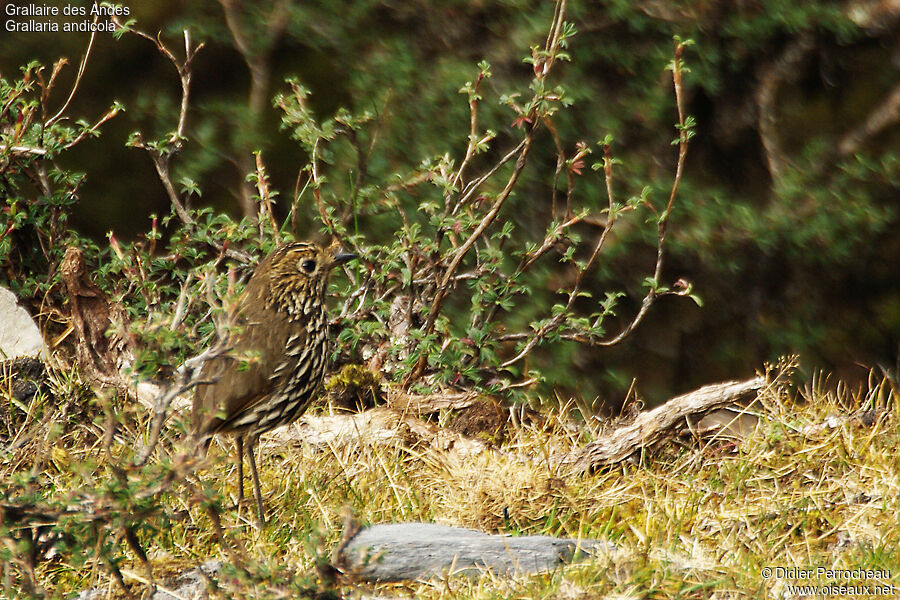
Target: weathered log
411,551
651,427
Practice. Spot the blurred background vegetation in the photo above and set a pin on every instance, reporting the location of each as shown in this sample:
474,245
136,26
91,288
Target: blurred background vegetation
787,218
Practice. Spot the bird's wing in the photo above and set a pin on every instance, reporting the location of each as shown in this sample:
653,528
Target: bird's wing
245,376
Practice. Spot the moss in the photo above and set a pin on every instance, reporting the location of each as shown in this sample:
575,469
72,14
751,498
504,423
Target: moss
354,388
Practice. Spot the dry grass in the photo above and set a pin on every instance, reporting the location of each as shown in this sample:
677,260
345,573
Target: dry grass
815,486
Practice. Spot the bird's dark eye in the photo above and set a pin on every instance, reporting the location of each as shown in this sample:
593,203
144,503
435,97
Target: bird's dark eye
308,265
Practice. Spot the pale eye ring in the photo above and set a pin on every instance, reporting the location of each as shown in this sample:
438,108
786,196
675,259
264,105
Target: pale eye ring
308,265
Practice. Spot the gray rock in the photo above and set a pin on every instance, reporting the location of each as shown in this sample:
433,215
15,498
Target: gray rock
19,335
409,551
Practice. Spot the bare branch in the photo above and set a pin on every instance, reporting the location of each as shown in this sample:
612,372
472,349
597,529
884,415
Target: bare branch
24,150
886,114
766,97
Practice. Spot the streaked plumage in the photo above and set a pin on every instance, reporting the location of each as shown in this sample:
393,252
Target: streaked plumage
279,351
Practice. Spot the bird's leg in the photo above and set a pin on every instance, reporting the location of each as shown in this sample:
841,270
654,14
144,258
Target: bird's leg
260,511
239,440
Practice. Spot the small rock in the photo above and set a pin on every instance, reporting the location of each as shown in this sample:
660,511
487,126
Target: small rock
19,335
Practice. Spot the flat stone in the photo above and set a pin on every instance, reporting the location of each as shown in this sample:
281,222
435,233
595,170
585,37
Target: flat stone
19,335
411,551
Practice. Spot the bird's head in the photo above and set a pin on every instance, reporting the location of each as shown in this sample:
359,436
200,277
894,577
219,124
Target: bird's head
298,272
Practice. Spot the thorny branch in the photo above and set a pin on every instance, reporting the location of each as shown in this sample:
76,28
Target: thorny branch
115,511
446,281
557,321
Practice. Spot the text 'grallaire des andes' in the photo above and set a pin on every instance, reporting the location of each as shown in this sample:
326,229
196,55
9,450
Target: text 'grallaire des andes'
45,10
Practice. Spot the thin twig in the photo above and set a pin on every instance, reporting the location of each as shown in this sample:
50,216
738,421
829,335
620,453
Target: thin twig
473,128
162,156
81,68
185,73
474,185
190,376
445,283
557,319
528,260
182,303
93,128
265,195
683,138
317,192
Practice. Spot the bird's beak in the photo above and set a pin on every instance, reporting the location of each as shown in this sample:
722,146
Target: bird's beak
340,257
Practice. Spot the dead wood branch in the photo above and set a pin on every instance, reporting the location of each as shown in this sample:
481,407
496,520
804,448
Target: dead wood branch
92,314
658,424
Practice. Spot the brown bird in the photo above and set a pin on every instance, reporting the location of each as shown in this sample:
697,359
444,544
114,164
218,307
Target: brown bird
278,352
